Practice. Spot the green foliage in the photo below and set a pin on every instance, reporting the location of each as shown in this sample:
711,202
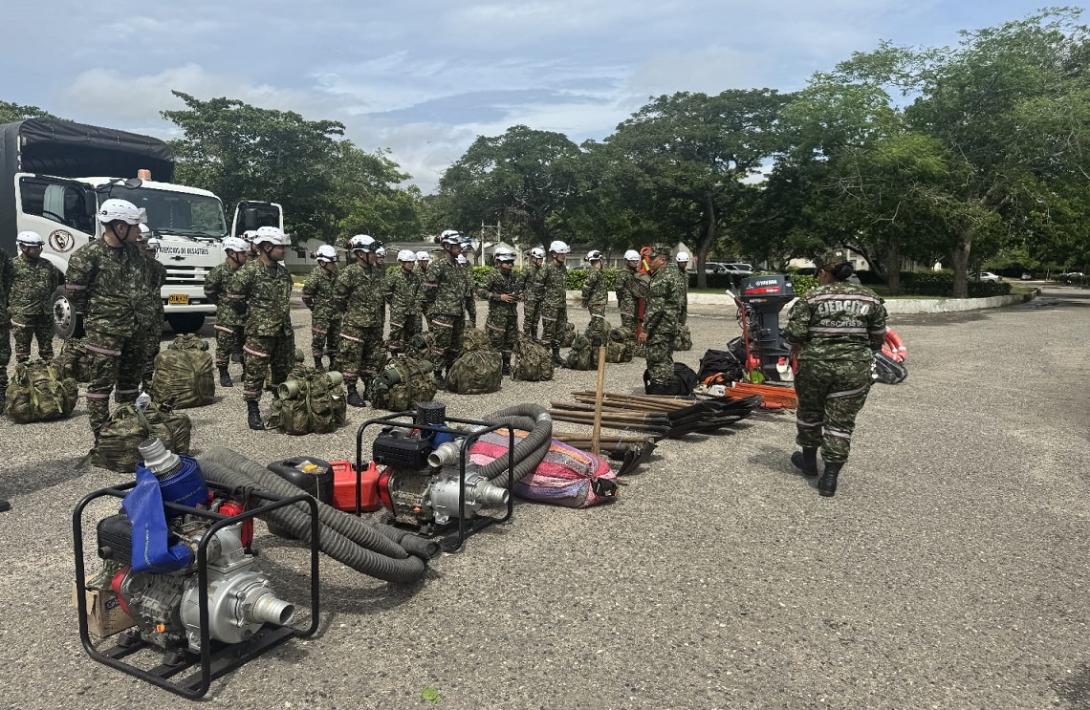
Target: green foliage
941,283
578,277
803,284
11,112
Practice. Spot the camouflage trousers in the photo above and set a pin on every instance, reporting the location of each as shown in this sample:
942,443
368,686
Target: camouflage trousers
502,326
628,321
360,353
831,394
448,332
531,314
596,331
152,340
28,328
553,318
267,359
325,337
111,360
659,353
5,354
403,327
229,341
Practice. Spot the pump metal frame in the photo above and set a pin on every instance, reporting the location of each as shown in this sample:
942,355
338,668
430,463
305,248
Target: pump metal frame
216,659
468,439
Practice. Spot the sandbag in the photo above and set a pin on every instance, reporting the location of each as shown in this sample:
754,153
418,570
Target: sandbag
684,339
532,361
309,401
682,382
582,355
37,393
567,334
405,381
71,361
619,348
475,372
184,374
129,426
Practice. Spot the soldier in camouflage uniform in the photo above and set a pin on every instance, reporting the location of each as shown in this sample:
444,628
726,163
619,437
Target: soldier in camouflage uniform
530,287
325,319
265,288
502,293
423,258
683,295
626,292
554,292
228,311
31,297
358,294
151,306
834,330
596,298
7,275
660,319
404,289
106,282
448,295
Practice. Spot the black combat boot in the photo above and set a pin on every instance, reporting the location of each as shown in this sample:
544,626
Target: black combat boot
333,364
557,360
318,363
354,398
506,364
3,398
225,377
827,482
806,460
253,415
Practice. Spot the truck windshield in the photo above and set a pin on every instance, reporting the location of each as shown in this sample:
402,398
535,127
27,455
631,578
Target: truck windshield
178,213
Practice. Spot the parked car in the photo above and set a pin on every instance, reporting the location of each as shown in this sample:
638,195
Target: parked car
987,276
1026,276
1070,276
713,267
741,268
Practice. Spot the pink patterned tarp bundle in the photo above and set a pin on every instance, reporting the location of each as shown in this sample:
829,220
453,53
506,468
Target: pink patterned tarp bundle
566,476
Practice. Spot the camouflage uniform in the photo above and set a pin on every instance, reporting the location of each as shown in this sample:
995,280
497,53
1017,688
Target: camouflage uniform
554,306
270,341
229,311
838,326
683,296
502,321
358,295
30,304
325,319
660,323
150,315
448,293
7,274
595,299
626,299
403,292
530,287
107,285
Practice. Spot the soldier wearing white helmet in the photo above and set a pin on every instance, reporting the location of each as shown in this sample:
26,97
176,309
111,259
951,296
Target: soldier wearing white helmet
106,285
626,289
403,293
269,352
448,296
554,308
596,298
358,294
151,306
34,280
682,259
530,288
502,291
325,319
229,309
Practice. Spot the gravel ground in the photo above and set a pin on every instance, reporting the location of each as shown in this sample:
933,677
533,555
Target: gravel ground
949,571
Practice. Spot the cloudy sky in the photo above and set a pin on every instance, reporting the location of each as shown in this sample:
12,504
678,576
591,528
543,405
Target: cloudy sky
423,77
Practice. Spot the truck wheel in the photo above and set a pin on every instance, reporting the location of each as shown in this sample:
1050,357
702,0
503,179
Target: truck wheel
186,322
67,323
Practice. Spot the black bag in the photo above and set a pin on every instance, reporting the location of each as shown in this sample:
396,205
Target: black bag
682,383
720,362
887,370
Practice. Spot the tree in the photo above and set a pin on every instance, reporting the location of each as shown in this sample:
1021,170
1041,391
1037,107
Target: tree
11,112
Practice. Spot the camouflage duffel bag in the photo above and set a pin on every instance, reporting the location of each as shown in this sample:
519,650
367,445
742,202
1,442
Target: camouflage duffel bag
619,347
404,382
184,374
567,334
476,372
684,339
129,426
582,356
532,361
38,393
71,361
475,339
309,402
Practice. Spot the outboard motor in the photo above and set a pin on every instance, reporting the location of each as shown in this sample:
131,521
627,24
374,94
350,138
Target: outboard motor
762,299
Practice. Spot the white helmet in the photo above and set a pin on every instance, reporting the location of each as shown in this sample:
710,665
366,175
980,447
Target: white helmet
326,253
407,255
29,239
145,232
537,253
505,255
236,245
153,243
381,251
593,255
631,255
422,256
115,210
559,247
361,242
462,259
682,257
248,236
271,235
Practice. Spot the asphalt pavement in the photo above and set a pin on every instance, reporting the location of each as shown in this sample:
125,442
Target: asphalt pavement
949,571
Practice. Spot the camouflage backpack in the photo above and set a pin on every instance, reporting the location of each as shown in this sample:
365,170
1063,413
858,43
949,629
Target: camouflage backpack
404,382
619,348
71,360
309,402
184,374
38,393
582,355
684,339
475,372
567,334
129,426
532,362
475,339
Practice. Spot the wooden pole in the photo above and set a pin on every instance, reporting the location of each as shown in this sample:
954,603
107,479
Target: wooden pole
599,389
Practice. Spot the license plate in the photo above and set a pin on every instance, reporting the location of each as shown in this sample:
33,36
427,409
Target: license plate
178,299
